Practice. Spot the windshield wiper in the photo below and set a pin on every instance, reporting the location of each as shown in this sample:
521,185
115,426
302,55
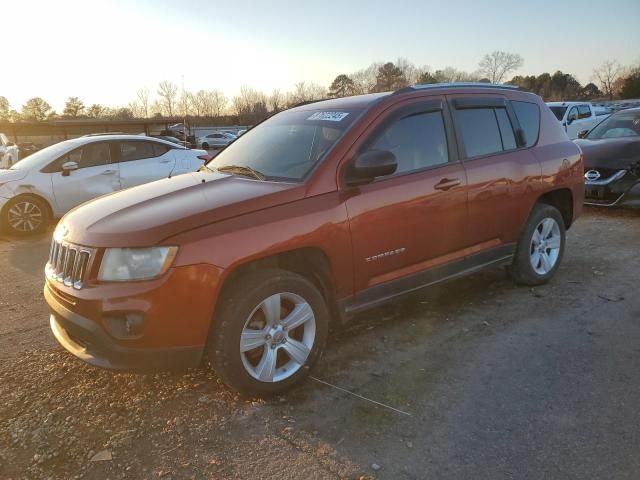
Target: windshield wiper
240,170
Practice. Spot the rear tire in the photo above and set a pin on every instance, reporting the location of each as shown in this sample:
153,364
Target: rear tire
25,215
540,247
270,330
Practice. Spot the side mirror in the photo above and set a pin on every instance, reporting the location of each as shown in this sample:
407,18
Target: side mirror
570,120
582,133
68,167
11,144
369,165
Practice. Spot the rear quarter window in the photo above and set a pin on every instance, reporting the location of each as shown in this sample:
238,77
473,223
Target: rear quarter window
529,118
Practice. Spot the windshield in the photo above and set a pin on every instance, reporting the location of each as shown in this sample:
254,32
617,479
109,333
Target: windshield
40,158
558,112
287,146
623,124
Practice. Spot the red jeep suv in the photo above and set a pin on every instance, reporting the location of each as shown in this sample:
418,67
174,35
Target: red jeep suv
317,213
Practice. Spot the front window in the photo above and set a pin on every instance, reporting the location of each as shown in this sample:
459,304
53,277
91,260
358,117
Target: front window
623,124
558,112
288,145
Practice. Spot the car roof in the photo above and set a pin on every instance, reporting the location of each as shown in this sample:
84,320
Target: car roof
364,101
353,102
565,104
97,138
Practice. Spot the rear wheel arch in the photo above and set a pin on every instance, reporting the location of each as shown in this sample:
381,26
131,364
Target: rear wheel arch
562,200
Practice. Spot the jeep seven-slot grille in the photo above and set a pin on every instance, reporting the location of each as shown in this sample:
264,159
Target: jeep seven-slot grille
68,264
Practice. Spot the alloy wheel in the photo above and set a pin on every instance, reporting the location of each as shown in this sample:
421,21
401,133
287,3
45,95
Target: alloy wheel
25,216
278,337
545,246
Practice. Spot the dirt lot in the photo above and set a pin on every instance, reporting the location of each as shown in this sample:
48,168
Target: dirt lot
488,381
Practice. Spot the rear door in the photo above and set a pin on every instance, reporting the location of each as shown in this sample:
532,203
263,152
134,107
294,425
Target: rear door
500,167
97,175
142,161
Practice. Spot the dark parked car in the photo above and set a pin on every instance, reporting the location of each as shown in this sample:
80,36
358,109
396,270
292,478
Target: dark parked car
612,160
27,148
318,213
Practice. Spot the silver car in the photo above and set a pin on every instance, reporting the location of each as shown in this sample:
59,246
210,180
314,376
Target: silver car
216,140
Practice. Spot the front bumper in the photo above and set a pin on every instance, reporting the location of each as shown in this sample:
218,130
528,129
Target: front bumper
610,191
86,340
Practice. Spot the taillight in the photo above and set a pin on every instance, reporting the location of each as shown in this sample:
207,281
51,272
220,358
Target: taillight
206,158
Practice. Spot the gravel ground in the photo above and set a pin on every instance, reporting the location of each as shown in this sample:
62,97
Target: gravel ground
477,378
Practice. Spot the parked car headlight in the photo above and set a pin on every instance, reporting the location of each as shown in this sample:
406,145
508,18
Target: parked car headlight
124,264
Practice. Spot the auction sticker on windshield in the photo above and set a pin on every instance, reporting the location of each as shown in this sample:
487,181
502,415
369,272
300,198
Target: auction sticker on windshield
328,116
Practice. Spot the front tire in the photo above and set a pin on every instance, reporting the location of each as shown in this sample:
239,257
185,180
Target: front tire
271,328
26,215
205,145
540,248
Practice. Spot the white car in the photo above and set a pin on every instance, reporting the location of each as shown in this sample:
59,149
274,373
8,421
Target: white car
8,152
52,181
216,140
577,117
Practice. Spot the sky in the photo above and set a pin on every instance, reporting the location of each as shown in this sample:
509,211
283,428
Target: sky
104,52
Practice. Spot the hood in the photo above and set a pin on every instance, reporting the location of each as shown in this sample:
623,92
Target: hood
616,153
148,214
11,175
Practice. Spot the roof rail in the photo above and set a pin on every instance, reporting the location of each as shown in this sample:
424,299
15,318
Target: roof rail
429,86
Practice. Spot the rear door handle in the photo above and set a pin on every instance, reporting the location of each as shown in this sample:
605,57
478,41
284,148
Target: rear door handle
447,183
108,172
165,161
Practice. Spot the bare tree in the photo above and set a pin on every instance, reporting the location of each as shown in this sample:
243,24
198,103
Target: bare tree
276,101
4,108
450,74
197,102
606,75
364,80
143,98
167,91
184,104
497,64
306,92
218,102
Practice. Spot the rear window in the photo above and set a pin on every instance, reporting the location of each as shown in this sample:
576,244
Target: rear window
130,151
529,118
480,131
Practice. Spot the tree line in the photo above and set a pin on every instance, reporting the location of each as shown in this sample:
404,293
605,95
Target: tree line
610,81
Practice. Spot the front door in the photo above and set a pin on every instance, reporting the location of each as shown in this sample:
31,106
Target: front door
96,175
414,219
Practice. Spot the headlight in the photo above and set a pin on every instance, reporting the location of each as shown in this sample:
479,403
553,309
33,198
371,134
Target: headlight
122,264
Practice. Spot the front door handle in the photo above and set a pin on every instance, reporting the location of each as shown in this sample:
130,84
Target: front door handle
108,172
165,161
447,183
